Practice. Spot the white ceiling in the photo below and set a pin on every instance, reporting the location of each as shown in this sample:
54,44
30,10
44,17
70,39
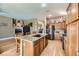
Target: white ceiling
33,10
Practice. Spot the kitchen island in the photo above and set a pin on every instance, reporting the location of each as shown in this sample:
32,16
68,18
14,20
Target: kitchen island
33,45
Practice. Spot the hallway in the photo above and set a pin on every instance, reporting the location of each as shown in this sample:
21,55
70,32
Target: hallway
53,48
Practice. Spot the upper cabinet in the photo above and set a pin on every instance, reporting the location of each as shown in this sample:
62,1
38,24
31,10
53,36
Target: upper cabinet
60,25
72,12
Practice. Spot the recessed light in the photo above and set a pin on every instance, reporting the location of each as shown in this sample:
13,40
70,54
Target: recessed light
43,5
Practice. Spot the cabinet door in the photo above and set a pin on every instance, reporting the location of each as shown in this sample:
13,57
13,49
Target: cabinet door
27,48
69,14
46,41
78,36
36,50
67,44
73,39
74,12
41,44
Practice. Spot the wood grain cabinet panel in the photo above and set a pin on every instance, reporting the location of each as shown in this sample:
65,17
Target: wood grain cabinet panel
46,41
60,25
27,49
72,12
78,36
41,44
72,42
68,14
67,41
36,50
72,39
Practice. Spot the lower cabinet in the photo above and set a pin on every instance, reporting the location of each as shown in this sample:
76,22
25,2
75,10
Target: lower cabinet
71,48
66,46
34,48
41,44
27,49
46,41
74,39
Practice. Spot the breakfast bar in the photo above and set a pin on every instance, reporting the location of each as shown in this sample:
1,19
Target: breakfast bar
33,45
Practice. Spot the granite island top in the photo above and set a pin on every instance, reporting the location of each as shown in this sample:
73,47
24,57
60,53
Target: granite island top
31,38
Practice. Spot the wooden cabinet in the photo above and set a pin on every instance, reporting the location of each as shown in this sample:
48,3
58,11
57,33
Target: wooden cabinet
67,40
66,46
72,39
72,12
41,44
34,48
37,50
28,49
68,14
78,36
60,25
46,41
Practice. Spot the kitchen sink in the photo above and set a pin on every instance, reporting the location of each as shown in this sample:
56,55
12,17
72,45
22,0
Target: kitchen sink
37,35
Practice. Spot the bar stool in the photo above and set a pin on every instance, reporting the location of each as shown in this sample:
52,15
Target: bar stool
18,35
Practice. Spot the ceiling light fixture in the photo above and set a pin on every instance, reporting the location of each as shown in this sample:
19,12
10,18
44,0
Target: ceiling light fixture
43,5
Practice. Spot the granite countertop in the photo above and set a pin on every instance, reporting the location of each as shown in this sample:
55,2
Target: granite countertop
31,38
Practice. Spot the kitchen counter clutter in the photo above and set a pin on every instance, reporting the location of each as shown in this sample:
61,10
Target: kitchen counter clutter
33,45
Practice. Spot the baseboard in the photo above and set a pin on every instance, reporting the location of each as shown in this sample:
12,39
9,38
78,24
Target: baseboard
7,38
